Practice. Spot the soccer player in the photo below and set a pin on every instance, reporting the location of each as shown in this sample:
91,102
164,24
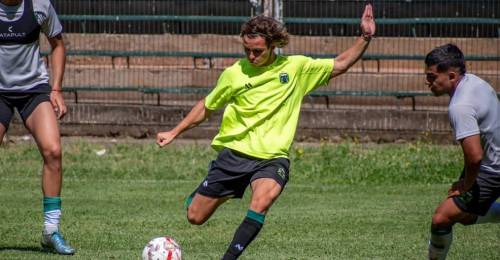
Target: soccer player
263,95
24,85
474,112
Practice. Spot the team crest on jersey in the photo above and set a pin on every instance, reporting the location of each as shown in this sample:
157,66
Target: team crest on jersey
284,78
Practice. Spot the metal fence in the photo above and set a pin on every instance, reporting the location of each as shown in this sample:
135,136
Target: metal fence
172,52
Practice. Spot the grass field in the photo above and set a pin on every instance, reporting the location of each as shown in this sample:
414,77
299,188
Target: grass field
343,201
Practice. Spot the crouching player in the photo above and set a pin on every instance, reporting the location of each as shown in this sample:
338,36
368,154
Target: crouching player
474,113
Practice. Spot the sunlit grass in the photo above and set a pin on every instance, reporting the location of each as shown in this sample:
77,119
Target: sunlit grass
343,201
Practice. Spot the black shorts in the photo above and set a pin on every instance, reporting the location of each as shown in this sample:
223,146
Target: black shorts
485,191
232,172
25,103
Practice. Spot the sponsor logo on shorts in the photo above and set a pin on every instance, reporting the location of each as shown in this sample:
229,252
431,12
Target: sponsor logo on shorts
281,173
205,183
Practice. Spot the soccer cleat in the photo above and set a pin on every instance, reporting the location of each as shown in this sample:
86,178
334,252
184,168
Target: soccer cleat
55,243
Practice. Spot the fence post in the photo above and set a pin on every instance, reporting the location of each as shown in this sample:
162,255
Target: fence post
257,7
278,15
272,8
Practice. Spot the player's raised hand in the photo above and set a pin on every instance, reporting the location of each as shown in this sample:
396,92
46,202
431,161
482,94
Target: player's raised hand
368,22
164,138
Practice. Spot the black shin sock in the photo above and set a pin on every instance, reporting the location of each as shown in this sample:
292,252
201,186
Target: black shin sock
244,235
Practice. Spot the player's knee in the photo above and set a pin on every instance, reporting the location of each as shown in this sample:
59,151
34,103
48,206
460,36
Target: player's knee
441,221
194,218
52,153
261,205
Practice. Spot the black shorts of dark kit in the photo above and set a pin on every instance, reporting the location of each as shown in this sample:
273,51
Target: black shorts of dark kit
483,194
231,173
25,103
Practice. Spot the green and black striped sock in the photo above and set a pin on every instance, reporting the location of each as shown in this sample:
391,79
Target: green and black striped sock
245,234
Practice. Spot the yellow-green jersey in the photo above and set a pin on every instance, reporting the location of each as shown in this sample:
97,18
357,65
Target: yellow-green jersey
263,103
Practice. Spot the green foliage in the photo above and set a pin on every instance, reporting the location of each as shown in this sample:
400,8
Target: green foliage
343,201
350,163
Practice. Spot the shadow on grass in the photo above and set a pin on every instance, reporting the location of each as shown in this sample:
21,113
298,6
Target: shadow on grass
23,249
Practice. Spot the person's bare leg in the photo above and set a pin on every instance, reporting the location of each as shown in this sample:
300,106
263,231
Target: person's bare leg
2,132
202,207
42,124
445,216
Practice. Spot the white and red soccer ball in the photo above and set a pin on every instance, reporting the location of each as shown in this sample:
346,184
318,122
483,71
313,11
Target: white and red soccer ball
162,248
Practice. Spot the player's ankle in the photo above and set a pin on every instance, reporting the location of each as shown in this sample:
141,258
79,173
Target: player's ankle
50,229
229,256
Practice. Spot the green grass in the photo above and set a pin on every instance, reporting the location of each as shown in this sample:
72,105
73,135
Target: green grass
345,201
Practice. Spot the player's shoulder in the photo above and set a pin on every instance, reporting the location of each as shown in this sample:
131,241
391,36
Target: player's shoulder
474,89
297,58
236,66
475,81
233,70
42,6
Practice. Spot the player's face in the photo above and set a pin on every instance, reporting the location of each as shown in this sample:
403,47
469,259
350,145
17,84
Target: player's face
257,51
438,82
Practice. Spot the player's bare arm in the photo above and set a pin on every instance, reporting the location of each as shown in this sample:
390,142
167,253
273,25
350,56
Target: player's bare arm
347,58
473,154
58,62
197,115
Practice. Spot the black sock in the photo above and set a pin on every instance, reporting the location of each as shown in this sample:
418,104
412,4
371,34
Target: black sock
244,235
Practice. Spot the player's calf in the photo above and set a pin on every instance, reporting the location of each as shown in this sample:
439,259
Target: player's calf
440,242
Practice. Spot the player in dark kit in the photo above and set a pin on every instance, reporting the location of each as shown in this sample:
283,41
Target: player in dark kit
474,112
24,85
262,95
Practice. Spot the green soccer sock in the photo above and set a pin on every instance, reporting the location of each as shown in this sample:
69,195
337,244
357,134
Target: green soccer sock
189,199
52,214
440,243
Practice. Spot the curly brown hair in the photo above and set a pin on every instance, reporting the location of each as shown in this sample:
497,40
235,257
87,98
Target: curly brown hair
273,31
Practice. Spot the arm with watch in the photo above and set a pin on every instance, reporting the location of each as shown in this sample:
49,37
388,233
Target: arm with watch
347,58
